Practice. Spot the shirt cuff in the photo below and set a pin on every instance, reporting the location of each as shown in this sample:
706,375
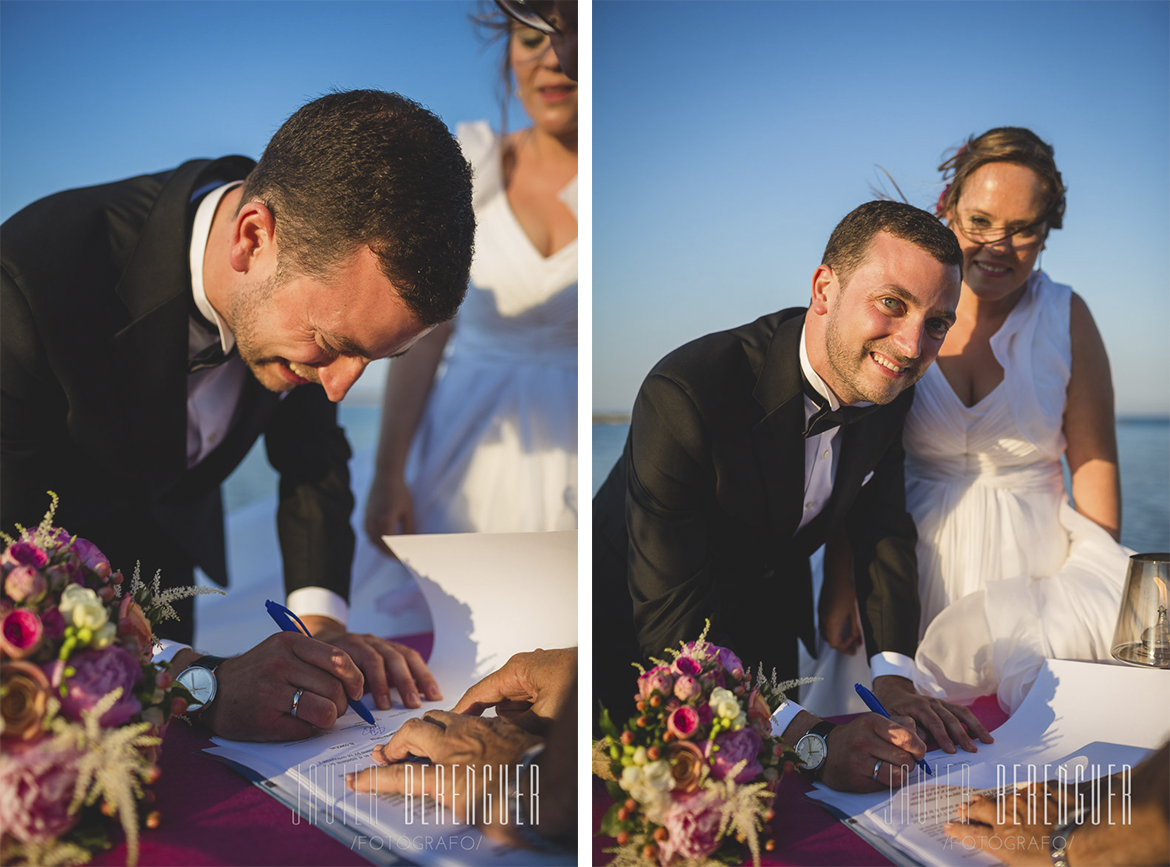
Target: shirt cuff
318,600
784,715
168,650
888,662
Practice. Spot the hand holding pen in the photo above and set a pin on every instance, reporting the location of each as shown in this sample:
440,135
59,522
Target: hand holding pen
876,706
289,622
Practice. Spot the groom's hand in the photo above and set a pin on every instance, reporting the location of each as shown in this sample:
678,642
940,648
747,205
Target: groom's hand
871,741
383,663
947,722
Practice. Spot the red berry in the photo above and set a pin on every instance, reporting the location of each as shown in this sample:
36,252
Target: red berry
653,753
649,851
660,834
623,838
631,804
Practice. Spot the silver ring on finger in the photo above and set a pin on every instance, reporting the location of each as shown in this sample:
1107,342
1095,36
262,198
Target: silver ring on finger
297,701
877,767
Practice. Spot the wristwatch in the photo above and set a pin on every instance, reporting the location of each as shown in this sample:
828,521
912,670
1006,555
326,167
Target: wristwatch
198,678
813,748
1062,835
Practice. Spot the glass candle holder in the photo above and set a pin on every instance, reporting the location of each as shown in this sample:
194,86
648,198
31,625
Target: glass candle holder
1142,636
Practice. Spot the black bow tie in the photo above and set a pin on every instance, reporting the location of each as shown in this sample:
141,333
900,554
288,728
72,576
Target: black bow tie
212,356
825,419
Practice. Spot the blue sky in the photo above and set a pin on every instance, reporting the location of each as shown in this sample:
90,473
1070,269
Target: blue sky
729,138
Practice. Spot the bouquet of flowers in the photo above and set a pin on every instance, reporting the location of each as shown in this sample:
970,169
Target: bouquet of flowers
82,706
693,775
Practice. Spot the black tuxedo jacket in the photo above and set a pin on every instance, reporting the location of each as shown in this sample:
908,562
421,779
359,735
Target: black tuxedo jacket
698,519
96,295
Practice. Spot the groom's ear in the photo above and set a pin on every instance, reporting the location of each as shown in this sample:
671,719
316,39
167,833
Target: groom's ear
824,283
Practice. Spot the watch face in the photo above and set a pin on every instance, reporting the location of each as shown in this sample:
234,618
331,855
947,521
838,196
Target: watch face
200,682
811,749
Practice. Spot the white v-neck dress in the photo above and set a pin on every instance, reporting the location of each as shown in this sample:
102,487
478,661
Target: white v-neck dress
496,450
1009,573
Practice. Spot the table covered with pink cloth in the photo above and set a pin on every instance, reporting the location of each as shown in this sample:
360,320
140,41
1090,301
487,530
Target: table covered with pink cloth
806,833
212,815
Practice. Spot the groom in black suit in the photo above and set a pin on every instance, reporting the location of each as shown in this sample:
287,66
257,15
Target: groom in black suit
155,327
747,448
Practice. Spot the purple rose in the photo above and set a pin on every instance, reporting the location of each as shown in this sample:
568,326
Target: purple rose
686,687
692,827
25,554
53,623
733,748
687,665
20,633
657,678
705,714
97,673
36,786
95,561
25,582
683,723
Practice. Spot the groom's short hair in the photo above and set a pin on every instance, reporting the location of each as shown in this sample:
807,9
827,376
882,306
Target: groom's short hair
849,244
367,168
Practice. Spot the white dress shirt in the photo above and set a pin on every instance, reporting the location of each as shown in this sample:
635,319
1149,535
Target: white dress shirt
821,455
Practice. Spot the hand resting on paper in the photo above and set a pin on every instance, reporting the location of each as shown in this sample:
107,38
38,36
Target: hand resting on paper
1026,834
255,690
384,663
945,721
486,747
530,689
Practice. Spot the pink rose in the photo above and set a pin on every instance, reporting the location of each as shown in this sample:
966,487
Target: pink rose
686,687
683,723
20,633
36,786
692,828
25,582
134,628
730,749
25,554
686,665
97,673
657,678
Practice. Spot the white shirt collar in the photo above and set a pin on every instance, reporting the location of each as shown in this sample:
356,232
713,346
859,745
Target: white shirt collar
818,384
200,232
813,378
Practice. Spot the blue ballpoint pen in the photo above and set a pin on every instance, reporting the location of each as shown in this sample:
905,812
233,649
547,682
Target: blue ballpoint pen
284,619
876,706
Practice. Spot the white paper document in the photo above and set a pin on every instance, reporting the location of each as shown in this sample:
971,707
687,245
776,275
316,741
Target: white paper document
1080,721
490,595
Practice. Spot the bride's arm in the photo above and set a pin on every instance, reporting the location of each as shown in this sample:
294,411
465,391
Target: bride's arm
1089,426
389,508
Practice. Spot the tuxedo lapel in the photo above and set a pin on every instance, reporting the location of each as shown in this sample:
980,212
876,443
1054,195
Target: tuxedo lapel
152,350
777,439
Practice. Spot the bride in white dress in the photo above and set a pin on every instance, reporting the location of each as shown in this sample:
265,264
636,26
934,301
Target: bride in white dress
1009,573
490,443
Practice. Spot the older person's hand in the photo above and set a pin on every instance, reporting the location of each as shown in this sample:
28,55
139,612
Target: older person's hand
529,690
475,756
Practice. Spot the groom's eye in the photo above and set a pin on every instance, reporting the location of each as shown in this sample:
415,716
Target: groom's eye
894,305
938,327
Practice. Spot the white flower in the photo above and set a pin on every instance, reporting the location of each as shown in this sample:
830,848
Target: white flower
657,775
724,703
655,809
631,777
640,756
82,607
105,636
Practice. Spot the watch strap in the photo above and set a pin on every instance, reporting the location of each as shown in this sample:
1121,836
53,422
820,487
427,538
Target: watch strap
822,728
211,663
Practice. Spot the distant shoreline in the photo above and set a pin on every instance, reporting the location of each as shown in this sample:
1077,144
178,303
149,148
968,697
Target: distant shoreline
611,418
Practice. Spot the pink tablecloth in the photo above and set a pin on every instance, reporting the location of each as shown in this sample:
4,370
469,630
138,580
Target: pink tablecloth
805,832
213,816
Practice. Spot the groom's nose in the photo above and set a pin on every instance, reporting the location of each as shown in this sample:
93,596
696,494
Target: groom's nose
909,336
